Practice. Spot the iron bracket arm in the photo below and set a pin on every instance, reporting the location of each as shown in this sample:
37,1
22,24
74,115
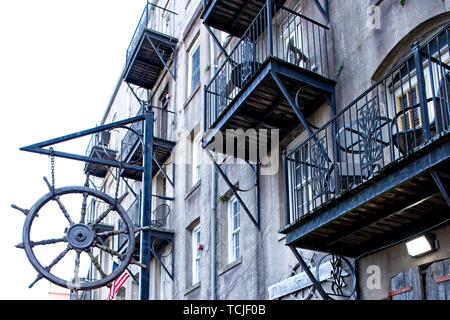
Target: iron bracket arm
233,190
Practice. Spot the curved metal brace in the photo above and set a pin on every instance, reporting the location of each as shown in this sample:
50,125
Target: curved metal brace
256,176
297,96
142,102
158,258
256,221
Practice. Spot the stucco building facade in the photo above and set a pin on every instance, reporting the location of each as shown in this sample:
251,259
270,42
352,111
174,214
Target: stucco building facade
217,252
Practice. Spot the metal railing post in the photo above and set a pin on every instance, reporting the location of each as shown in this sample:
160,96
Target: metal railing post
269,26
146,208
286,188
422,90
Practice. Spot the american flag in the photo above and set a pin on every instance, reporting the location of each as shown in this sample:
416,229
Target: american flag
118,283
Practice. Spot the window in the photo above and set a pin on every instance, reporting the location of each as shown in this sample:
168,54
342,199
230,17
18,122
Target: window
196,158
194,67
303,188
408,105
234,231
292,28
196,252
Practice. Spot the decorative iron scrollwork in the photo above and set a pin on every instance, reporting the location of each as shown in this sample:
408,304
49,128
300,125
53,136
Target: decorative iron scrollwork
309,292
319,169
222,89
248,57
337,277
370,132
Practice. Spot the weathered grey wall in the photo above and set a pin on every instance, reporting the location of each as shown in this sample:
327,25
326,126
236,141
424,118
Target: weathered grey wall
394,260
265,259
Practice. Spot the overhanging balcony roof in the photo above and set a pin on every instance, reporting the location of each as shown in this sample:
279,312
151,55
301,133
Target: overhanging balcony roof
232,16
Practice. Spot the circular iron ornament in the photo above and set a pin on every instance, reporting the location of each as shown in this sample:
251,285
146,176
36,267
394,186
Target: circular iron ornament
81,237
163,252
307,293
254,182
337,277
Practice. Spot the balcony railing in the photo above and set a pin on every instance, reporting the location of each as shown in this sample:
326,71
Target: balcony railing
288,36
156,19
159,217
134,212
403,112
163,120
100,140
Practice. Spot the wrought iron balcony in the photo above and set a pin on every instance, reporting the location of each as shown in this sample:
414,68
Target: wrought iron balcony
131,147
152,46
159,220
364,177
99,148
243,93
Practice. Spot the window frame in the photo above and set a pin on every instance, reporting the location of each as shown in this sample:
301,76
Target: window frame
304,200
196,254
234,252
192,50
196,158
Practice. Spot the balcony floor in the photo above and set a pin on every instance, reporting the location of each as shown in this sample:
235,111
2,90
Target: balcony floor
261,104
99,170
162,149
399,203
145,65
232,16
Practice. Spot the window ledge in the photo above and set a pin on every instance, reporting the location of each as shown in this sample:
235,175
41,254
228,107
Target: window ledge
230,266
192,190
191,288
192,95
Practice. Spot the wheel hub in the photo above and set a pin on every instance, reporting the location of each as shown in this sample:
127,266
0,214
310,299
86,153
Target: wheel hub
80,236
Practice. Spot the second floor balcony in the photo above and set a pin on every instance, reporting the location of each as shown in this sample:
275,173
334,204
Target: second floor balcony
159,220
281,52
99,147
373,174
163,141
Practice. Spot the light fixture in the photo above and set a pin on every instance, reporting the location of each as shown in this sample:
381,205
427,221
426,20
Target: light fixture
422,245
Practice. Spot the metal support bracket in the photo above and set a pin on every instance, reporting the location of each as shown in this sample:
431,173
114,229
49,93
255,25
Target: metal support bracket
217,42
292,103
324,9
256,220
158,164
40,147
172,72
440,186
158,258
310,275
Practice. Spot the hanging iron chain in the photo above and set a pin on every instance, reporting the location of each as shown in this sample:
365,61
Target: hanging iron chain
52,168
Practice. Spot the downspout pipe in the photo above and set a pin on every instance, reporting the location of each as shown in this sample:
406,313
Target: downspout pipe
213,226
213,233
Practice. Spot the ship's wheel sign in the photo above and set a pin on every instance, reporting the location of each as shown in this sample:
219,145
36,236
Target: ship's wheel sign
81,237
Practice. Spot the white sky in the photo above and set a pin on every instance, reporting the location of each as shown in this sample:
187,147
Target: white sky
59,63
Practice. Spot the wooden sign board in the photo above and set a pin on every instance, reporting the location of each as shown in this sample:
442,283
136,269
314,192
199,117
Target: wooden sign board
298,282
